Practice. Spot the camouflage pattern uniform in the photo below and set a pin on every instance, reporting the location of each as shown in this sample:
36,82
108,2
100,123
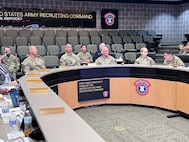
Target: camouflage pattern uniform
12,63
146,61
175,62
69,61
85,56
105,60
33,65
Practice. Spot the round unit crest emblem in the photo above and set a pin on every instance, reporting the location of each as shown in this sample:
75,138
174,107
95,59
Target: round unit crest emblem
142,87
109,18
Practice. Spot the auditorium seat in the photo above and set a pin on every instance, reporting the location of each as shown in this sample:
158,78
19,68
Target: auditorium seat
38,33
22,51
49,33
12,33
48,41
104,33
21,41
53,50
73,40
92,48
130,57
84,40
129,47
117,40
118,55
107,39
109,47
41,50
141,32
137,39
123,33
35,41
96,40
140,45
117,48
51,61
77,48
25,33
93,33
113,33
72,33
7,41
2,33
61,40
61,33
132,32
83,33
127,39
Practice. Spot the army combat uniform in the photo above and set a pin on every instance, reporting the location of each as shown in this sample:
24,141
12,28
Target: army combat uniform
70,61
144,61
33,65
12,63
105,60
85,56
175,62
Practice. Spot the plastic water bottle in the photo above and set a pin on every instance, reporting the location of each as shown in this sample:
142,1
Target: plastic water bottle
27,124
5,112
13,123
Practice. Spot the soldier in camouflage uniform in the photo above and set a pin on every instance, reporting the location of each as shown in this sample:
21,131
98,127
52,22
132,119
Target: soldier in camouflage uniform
144,59
11,61
105,58
172,60
84,56
69,59
33,63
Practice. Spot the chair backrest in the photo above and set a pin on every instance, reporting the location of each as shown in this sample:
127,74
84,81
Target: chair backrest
151,32
35,41
21,41
92,48
140,45
95,40
118,55
113,33
137,39
141,32
148,39
2,33
62,49
49,33
130,57
104,33
117,48
61,33
123,33
77,48
41,50
22,51
84,40
72,33
61,41
53,50
117,40
132,32
25,33
107,39
127,39
38,33
11,33
94,33
109,47
48,41
83,33
73,40
129,47
51,61
7,41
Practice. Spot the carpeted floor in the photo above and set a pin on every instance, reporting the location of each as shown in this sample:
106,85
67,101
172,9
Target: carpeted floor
127,123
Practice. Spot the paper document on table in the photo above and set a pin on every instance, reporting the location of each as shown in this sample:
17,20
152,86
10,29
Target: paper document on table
52,109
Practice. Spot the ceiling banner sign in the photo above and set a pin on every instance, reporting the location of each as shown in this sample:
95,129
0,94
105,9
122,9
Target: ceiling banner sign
109,19
47,18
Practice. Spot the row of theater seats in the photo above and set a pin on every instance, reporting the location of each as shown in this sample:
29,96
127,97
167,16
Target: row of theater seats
61,37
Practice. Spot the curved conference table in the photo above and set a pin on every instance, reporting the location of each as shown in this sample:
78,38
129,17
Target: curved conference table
160,86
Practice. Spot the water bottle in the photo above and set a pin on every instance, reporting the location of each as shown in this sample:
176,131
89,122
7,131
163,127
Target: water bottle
13,123
27,124
5,112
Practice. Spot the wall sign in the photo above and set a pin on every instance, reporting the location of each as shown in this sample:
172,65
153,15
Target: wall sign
48,18
93,89
109,19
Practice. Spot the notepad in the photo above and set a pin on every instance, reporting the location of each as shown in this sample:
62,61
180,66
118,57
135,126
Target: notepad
38,90
63,67
53,109
34,81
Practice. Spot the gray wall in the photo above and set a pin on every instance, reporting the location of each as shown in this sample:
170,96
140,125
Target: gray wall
172,21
